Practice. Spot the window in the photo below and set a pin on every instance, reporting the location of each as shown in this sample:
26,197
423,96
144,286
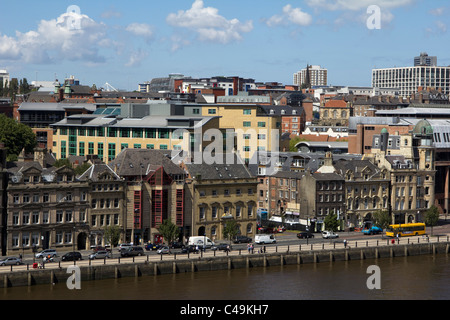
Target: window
137,133
150,133
261,124
90,148
247,111
59,216
195,111
100,149
81,150
112,132
150,146
124,133
63,149
202,213
212,111
111,151
247,123
137,146
163,146
163,134
123,146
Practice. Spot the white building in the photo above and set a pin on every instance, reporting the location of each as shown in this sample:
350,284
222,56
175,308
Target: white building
4,76
317,75
409,79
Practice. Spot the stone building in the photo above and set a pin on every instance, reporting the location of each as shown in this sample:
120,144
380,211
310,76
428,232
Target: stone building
219,193
47,207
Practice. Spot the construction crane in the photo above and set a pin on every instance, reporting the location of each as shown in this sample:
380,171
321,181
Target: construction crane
109,88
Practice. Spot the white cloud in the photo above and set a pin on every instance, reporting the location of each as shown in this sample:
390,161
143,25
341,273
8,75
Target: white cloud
71,36
140,29
136,58
438,11
293,15
208,24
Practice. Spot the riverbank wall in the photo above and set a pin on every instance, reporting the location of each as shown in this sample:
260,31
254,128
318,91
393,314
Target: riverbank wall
199,264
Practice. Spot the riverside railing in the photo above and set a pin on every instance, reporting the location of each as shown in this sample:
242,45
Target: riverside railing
257,249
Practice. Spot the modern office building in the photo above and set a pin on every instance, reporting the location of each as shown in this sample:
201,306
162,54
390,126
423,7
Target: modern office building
4,76
425,74
314,75
425,60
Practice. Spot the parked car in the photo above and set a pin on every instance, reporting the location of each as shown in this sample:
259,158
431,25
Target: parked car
71,256
177,245
222,246
124,246
305,235
152,246
47,252
242,239
329,235
164,250
11,261
100,248
102,254
189,249
132,251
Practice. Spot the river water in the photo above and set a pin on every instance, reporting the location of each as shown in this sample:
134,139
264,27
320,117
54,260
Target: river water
425,277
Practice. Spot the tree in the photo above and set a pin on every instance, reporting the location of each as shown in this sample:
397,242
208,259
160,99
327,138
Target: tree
16,136
230,229
112,235
431,217
331,222
382,219
169,231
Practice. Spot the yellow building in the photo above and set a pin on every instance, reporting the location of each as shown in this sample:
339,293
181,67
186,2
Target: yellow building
256,127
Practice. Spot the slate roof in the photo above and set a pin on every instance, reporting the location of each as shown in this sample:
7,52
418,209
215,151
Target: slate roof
97,169
135,162
234,170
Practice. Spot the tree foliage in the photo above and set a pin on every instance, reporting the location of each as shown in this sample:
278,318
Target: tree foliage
169,231
230,229
382,219
331,222
16,136
112,235
431,217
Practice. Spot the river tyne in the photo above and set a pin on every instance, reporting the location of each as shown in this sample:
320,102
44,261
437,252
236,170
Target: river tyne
425,277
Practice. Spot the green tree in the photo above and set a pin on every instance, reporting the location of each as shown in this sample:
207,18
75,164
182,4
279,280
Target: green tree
431,217
382,219
62,162
82,168
169,231
112,235
230,229
331,222
16,136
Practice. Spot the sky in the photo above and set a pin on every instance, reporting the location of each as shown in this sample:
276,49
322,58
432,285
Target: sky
125,43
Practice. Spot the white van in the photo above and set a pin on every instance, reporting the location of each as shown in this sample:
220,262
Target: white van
265,238
201,241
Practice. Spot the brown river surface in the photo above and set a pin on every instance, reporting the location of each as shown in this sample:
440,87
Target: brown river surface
424,277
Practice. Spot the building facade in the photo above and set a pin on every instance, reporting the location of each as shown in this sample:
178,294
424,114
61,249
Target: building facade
219,193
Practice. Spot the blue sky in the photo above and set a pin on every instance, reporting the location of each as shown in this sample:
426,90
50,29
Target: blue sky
128,42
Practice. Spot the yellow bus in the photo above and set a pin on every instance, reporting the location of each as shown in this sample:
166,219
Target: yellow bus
406,229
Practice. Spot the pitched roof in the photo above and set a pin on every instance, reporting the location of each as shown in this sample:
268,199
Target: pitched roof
225,170
135,162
